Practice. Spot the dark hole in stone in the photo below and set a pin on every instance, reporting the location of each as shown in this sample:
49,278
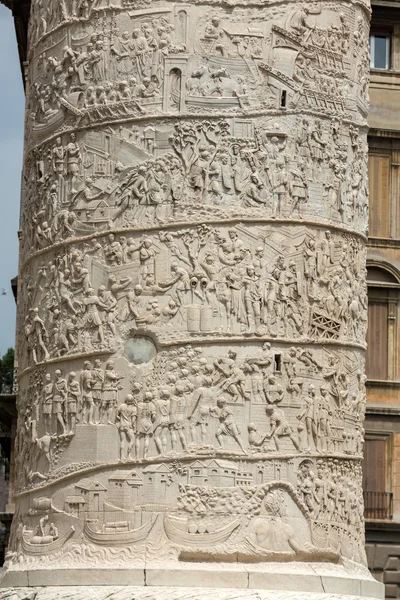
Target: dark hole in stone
140,350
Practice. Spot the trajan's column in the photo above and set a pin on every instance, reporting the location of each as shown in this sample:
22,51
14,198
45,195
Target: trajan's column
192,303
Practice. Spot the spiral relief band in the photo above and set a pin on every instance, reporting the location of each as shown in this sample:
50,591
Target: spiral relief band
193,304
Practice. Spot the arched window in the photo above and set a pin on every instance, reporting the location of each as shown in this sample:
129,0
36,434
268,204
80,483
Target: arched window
383,287
377,276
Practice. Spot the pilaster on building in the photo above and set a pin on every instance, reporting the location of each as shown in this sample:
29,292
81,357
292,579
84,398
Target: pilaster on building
382,426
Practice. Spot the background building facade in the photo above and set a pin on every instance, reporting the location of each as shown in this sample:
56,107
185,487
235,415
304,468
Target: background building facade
382,427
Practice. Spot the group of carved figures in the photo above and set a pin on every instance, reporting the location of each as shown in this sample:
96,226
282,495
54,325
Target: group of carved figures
115,73
206,168
172,410
327,488
46,17
138,54
331,492
113,67
238,285
92,397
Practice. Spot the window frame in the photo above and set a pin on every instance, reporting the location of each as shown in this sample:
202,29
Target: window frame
372,37
379,227
387,438
377,297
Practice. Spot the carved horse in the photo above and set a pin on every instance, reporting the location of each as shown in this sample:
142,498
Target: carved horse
206,82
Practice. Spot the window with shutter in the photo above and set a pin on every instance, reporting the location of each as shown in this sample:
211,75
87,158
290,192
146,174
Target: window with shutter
379,166
374,467
377,340
378,501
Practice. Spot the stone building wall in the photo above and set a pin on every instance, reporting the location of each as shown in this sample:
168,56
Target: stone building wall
382,422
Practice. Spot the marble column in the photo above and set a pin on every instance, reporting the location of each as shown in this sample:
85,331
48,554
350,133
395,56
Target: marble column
193,307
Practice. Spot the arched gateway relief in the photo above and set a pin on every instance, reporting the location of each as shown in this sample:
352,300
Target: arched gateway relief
192,311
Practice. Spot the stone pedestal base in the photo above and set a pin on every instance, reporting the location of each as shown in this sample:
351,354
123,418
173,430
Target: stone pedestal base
195,581
165,593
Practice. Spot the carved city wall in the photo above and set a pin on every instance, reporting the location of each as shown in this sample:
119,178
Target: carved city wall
193,307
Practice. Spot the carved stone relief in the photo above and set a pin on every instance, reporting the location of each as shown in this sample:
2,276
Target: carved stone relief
296,283
193,303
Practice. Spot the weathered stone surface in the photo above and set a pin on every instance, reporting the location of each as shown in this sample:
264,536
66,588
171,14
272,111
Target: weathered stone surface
193,304
144,593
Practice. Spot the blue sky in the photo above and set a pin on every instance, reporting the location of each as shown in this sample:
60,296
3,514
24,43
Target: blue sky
11,146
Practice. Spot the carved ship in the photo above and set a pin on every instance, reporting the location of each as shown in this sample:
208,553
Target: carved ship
184,538
49,125
217,101
323,57
56,118
43,545
237,66
105,538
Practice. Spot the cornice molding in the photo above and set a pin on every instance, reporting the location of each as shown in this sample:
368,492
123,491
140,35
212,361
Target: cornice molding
20,10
